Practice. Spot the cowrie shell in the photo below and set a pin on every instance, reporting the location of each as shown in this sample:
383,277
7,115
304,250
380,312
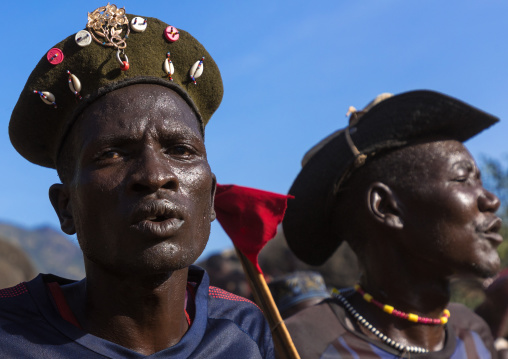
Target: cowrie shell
50,98
74,84
195,71
168,67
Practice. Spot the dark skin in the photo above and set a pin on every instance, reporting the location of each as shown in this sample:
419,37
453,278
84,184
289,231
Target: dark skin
415,240
141,202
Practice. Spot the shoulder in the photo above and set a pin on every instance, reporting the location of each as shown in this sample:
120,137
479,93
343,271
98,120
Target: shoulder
24,301
13,292
243,313
221,297
315,328
468,326
463,317
228,306
15,302
232,319
315,316
241,319
19,317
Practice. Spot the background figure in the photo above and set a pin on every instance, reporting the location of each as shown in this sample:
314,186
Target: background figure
277,260
296,291
226,272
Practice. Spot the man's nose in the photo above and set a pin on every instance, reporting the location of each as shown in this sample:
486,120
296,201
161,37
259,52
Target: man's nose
488,202
153,171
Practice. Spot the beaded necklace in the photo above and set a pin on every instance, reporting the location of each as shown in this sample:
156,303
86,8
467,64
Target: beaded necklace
396,345
409,316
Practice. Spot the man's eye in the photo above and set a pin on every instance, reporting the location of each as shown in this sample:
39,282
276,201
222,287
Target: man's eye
181,150
461,179
110,155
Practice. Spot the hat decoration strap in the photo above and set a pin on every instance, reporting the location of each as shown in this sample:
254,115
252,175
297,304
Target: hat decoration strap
360,158
359,161
353,120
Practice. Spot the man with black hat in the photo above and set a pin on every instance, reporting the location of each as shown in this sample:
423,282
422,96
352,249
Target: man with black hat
119,110
400,187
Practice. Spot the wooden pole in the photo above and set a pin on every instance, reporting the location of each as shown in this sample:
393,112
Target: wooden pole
281,339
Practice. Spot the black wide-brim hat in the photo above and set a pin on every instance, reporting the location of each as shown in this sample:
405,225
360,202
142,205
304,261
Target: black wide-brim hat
393,123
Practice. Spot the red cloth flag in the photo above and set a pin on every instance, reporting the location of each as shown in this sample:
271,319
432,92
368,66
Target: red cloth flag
249,217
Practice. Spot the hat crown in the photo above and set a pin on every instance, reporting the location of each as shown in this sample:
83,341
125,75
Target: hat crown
36,129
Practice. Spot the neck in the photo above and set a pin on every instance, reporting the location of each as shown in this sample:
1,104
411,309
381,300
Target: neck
409,286
145,314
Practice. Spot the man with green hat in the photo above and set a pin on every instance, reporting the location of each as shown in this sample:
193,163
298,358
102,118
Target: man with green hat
119,109
400,187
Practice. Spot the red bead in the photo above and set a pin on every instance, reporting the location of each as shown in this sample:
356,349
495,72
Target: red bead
125,66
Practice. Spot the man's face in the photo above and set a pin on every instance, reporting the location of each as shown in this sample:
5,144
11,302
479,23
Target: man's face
450,217
141,196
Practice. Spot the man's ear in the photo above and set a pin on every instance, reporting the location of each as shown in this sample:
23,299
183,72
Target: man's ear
60,199
213,215
384,205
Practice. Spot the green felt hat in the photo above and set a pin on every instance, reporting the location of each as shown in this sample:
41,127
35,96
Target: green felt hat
394,122
71,76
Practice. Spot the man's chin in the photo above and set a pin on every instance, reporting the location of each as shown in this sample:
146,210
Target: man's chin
482,270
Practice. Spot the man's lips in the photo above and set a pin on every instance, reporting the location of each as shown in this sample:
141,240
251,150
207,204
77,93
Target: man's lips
160,218
164,229
156,211
492,229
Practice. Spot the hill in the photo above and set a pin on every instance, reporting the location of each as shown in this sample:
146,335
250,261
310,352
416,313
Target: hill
49,250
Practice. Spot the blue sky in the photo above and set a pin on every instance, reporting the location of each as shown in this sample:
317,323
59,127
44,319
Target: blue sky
290,70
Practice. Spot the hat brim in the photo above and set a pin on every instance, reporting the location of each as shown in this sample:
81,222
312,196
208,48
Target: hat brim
395,122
